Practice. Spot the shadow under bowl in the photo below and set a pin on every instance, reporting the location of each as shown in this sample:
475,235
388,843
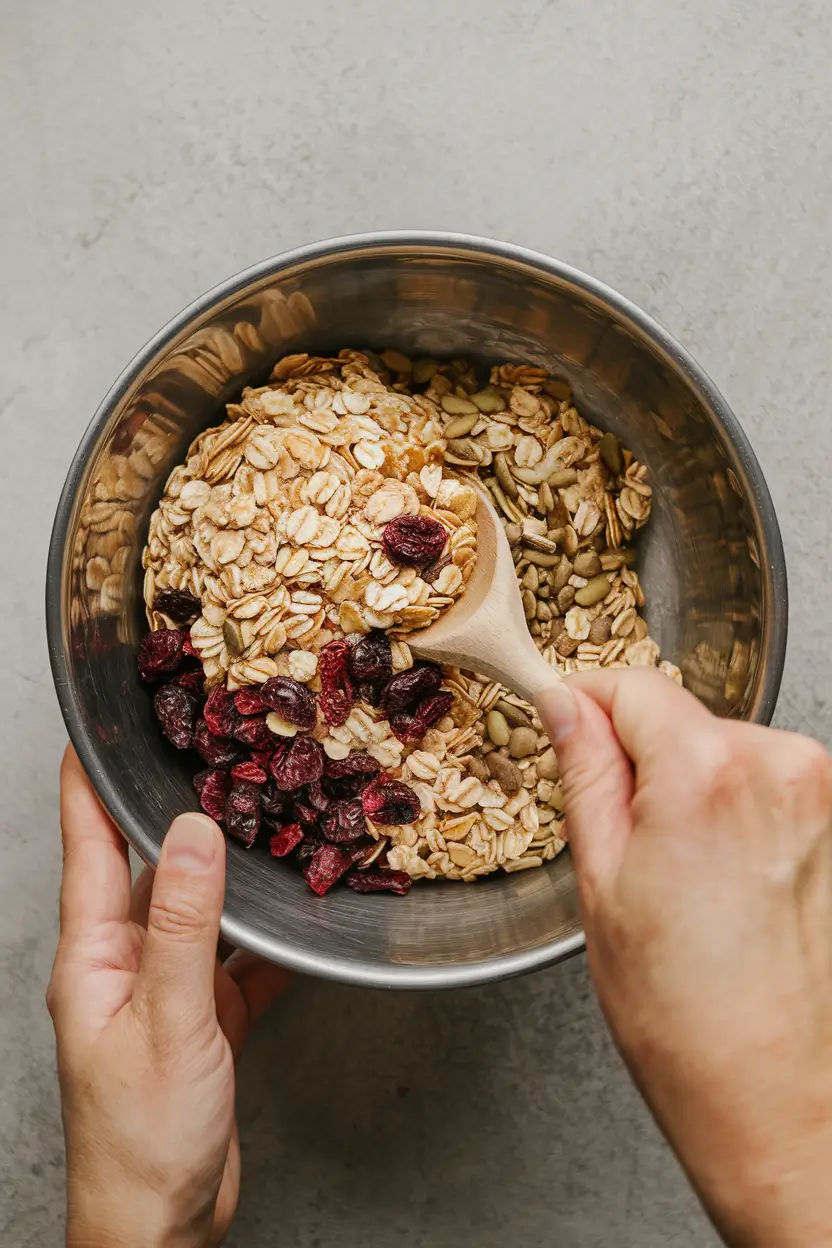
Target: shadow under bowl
711,558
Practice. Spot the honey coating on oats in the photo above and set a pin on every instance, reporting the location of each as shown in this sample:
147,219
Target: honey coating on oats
302,540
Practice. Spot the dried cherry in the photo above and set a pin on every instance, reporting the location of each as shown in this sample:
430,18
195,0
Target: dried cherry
193,681
285,839
249,771
380,881
389,801
414,540
316,797
347,823
406,689
160,653
336,696
253,731
301,762
371,658
221,715
242,812
411,728
249,701
177,604
212,787
272,801
217,751
359,763
176,711
291,700
327,866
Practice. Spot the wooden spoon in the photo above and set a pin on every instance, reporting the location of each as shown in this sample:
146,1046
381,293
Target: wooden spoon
486,630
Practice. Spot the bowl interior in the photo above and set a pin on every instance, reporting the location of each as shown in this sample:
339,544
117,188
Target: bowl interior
710,559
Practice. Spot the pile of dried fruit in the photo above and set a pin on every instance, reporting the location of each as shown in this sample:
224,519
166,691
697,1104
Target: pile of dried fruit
299,544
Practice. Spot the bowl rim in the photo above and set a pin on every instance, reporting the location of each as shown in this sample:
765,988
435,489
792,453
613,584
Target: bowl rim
773,567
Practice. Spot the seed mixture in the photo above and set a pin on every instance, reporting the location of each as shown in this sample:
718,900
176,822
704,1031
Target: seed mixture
329,516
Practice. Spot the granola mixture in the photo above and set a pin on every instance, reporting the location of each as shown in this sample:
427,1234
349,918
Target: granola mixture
303,539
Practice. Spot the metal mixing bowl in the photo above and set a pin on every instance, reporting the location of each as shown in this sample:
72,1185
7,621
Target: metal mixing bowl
711,558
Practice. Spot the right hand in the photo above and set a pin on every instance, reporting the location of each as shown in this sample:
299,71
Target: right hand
703,849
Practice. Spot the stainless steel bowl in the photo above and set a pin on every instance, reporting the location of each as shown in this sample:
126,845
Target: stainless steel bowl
712,559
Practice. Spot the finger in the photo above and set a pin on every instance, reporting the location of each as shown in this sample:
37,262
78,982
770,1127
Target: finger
651,714
140,901
259,981
95,888
175,987
597,782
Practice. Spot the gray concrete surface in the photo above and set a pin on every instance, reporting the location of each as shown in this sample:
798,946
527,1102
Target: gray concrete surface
681,152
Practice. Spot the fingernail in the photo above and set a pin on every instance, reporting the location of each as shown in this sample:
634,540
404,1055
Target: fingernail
191,843
559,711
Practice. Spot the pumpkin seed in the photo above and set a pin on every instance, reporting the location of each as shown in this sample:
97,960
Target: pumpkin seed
587,563
539,559
522,742
456,406
462,425
610,451
529,604
503,475
424,369
464,449
497,728
594,591
489,400
515,715
562,574
561,478
558,388
396,362
232,634
547,765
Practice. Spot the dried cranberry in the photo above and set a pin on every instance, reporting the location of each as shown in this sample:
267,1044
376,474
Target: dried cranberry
159,653
178,604
316,797
285,840
359,763
371,658
380,881
326,867
411,728
250,771
299,764
212,787
368,692
291,700
217,751
347,824
242,813
249,702
390,801
406,689
272,801
303,813
220,713
336,695
176,711
188,648
253,731
194,682
414,540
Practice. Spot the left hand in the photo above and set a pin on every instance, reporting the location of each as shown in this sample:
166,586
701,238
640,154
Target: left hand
149,1025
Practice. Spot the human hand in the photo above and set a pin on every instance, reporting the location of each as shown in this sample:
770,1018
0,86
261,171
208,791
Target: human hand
703,850
149,1025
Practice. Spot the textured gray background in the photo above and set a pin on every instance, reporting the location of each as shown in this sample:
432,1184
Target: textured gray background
679,151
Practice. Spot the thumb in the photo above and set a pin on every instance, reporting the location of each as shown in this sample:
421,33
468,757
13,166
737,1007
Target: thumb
175,986
597,781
